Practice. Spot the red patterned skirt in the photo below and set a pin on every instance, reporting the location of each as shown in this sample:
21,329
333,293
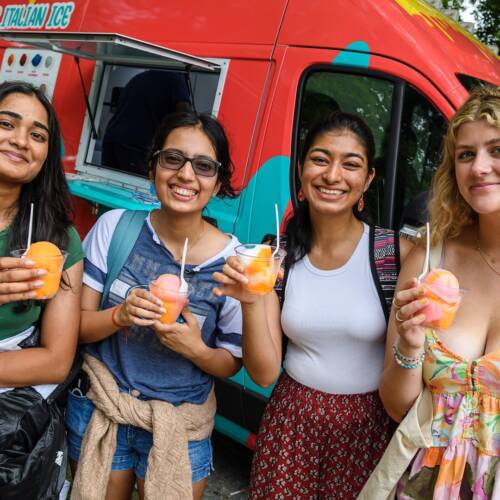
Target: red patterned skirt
312,444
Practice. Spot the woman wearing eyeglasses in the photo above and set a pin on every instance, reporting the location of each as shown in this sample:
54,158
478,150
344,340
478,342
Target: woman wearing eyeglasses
160,393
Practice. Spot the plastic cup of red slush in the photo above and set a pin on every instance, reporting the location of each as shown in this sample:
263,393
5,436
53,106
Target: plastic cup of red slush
261,267
173,301
53,264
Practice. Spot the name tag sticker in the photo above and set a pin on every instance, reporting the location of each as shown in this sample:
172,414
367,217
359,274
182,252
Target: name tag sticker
119,288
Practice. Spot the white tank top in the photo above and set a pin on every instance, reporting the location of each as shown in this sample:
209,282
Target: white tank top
335,325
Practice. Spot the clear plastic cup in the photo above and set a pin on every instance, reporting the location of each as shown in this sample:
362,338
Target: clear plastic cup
173,302
260,266
52,264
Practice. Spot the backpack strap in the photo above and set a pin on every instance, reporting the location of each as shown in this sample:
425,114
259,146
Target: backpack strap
384,264
280,285
122,242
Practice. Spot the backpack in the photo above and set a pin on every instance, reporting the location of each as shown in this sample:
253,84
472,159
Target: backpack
33,450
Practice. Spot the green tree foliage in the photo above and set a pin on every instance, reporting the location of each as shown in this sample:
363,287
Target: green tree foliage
487,16
487,13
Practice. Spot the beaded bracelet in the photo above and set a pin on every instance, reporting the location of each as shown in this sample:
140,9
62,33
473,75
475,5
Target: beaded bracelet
406,362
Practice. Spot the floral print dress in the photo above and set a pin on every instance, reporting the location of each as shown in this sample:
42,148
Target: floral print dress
464,462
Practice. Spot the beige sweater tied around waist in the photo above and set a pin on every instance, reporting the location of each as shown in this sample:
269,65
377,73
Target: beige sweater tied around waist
168,473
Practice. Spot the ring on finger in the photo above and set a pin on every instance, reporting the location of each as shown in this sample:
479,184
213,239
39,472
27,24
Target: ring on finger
397,316
395,304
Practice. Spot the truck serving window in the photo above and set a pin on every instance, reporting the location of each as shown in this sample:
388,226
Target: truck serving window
133,101
366,96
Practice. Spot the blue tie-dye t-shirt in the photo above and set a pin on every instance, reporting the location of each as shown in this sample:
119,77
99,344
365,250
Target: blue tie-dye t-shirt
138,360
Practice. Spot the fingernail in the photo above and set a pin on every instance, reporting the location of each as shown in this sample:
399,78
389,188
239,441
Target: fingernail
31,295
29,262
424,302
41,272
245,280
163,310
38,283
421,317
216,292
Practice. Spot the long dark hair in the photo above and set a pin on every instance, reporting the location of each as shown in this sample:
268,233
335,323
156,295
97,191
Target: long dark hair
213,130
48,190
299,227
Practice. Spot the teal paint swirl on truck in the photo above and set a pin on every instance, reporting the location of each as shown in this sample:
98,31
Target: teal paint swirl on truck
251,215
360,58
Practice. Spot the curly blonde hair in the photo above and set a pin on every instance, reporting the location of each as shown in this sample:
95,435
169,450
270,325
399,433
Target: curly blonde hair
449,212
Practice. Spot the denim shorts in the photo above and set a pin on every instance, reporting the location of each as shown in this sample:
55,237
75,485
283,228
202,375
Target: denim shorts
132,443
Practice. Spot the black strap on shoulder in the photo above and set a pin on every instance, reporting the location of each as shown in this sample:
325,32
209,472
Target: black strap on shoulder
280,285
384,264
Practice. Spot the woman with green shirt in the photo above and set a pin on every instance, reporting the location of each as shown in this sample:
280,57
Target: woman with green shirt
31,172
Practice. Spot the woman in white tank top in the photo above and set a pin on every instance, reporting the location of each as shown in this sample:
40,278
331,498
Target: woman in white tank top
324,428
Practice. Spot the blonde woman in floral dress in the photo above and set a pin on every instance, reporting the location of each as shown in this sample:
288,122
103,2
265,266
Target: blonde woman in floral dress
460,366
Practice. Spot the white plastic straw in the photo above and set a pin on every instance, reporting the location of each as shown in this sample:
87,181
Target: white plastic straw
184,286
427,251
277,229
30,229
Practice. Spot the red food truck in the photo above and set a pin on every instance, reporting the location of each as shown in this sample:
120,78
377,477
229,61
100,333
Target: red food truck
266,69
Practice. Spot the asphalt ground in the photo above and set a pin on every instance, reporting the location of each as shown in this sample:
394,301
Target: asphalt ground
232,470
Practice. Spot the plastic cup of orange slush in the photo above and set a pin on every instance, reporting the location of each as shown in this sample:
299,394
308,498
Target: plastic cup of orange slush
46,256
166,288
261,267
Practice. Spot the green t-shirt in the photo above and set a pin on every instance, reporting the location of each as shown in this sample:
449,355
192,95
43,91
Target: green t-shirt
12,323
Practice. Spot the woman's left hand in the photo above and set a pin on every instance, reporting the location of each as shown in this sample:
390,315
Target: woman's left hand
183,338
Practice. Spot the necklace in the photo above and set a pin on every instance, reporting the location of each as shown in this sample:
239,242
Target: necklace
192,243
487,258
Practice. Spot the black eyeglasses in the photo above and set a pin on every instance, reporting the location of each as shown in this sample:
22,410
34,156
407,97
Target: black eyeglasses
174,160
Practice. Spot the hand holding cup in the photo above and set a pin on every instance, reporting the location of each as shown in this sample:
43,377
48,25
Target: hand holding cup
234,282
19,280
141,308
408,306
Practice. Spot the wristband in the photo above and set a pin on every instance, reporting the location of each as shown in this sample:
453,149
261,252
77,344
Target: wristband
113,319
